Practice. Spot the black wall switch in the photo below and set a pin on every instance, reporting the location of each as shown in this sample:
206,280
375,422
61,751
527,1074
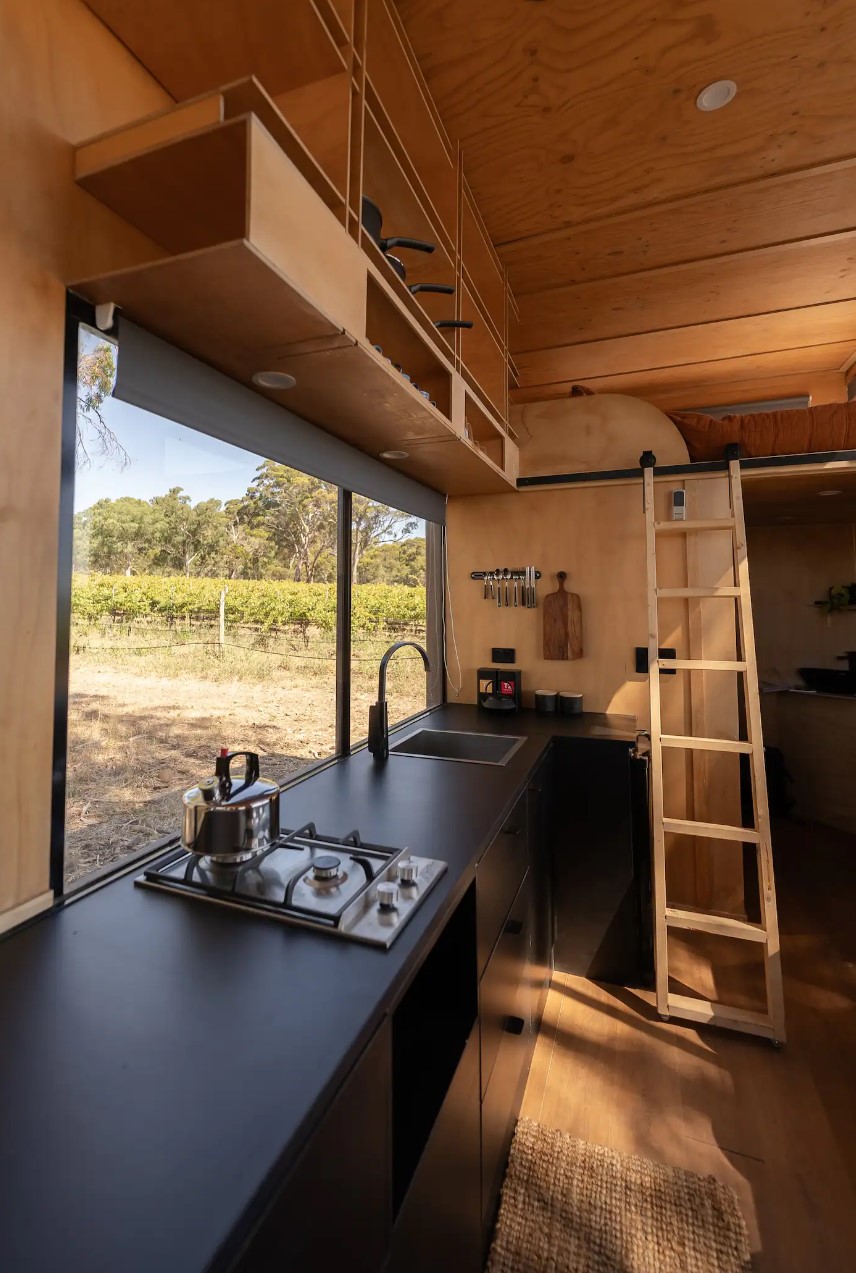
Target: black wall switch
503,654
664,653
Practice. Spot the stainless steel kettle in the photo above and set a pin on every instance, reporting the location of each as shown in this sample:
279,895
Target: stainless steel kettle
231,821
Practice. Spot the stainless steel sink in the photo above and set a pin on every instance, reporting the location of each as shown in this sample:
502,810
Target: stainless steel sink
452,744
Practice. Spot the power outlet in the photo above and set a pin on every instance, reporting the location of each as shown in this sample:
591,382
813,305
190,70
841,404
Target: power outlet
665,652
503,654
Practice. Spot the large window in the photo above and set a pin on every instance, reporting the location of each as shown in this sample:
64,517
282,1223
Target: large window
204,614
388,553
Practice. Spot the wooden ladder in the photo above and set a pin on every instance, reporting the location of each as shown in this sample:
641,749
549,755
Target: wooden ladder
771,1023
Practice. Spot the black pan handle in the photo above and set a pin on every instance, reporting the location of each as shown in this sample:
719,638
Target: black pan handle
442,289
453,322
418,245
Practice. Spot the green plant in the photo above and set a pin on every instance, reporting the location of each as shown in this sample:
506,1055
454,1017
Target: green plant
837,598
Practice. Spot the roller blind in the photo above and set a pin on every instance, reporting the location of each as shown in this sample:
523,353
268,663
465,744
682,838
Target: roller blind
159,378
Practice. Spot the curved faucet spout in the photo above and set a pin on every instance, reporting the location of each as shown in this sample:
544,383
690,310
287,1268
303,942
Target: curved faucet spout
378,716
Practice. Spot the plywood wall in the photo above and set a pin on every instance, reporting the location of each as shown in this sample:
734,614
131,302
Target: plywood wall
792,566
65,78
597,534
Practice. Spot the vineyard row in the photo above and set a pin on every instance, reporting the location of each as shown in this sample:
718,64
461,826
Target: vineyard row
262,602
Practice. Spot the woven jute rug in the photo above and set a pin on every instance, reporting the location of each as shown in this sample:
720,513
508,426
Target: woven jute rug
571,1207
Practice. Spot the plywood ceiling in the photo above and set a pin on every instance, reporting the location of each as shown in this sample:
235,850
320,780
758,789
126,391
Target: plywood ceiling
781,498
689,257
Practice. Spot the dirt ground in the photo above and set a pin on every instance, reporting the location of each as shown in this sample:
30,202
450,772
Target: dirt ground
138,739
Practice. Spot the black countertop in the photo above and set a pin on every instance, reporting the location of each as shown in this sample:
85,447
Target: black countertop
161,1057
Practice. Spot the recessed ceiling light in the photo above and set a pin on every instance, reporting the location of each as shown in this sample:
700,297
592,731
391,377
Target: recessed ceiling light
274,380
394,455
830,492
716,95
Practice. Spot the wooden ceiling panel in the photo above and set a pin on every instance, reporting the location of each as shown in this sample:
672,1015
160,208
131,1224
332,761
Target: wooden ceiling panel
573,110
794,329
639,233
805,205
772,498
791,276
665,382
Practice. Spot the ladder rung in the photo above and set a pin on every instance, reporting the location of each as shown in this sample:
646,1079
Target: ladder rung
711,830
721,925
707,1013
677,528
704,744
704,665
699,592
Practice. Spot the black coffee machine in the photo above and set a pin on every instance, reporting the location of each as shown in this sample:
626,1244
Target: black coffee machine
499,689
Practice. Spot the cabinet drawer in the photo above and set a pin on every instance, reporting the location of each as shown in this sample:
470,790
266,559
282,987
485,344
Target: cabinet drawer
500,1108
504,976
498,877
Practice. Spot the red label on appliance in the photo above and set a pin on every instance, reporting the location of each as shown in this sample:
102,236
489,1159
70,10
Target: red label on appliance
506,687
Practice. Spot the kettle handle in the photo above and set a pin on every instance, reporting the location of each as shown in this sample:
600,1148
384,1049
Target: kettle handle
251,769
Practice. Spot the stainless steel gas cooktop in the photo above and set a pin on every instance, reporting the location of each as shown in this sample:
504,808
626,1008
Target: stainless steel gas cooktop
366,892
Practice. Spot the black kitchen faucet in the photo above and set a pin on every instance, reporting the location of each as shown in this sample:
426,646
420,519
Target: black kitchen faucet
378,716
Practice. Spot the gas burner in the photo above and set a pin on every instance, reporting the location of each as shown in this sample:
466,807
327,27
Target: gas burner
366,892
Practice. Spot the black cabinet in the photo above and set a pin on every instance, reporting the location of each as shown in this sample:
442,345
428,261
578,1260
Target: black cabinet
333,1209
502,991
500,1108
541,799
439,1225
601,862
515,931
498,878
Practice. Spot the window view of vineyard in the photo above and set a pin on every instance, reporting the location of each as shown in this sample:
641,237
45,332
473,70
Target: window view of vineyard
204,615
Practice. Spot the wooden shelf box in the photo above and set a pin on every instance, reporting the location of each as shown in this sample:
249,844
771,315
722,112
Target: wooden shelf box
262,275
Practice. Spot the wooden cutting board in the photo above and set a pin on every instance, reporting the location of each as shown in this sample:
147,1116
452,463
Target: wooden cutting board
563,623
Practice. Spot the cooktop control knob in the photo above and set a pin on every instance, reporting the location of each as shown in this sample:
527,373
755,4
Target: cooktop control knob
326,868
408,871
387,896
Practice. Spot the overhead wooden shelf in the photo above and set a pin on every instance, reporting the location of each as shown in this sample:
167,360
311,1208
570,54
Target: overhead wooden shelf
344,96
192,47
183,154
262,276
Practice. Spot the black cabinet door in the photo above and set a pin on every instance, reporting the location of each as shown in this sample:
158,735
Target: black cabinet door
540,803
333,1210
596,874
508,972
501,1106
498,877
438,1229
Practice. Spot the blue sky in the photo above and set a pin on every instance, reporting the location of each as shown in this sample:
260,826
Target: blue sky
162,454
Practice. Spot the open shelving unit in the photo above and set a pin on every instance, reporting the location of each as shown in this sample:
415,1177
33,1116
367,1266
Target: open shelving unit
252,186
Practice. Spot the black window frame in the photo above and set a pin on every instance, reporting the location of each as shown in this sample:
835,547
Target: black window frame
79,313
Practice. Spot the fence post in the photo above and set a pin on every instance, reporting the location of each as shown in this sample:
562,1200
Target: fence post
223,592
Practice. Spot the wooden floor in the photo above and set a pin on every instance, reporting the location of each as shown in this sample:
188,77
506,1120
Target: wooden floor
779,1126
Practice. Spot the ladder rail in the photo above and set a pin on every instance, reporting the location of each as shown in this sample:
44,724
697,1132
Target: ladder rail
767,888
658,836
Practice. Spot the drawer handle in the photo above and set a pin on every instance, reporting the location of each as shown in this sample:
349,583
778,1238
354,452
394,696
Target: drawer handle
512,830
515,1025
514,927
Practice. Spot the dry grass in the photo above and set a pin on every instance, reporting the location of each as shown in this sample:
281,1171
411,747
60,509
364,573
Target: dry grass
146,724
